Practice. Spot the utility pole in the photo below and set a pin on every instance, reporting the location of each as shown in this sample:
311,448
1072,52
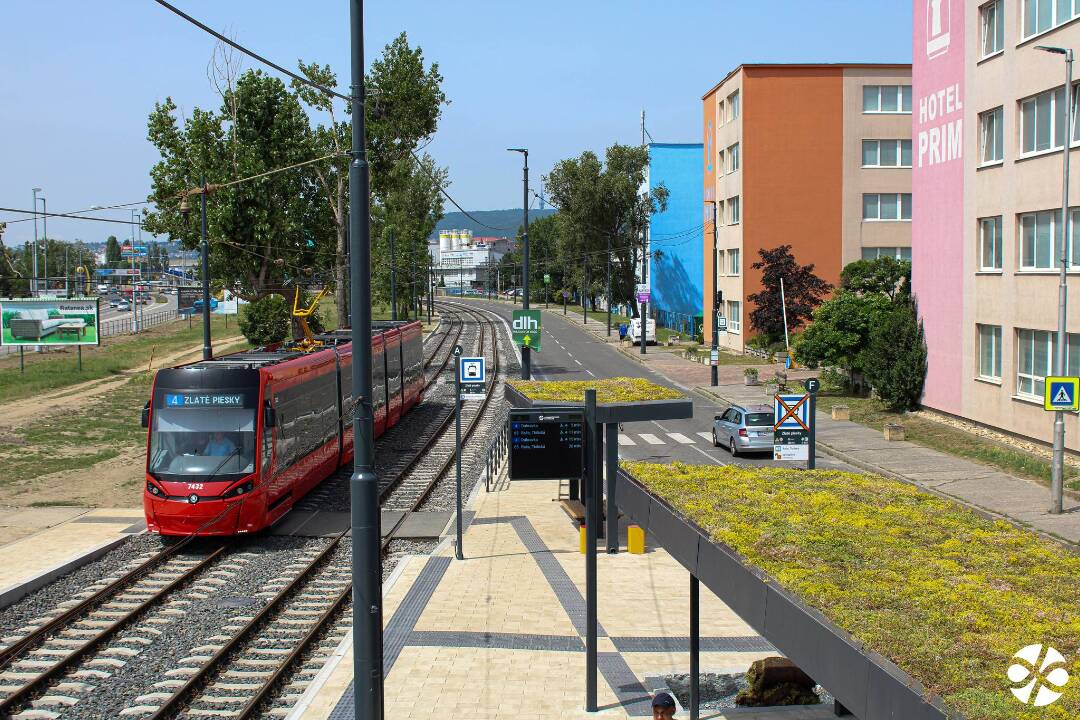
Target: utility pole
585,293
45,238
718,300
34,280
1057,465
644,263
607,290
364,483
526,373
204,249
393,277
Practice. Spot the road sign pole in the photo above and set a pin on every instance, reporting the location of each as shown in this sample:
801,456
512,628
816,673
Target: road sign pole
457,452
811,460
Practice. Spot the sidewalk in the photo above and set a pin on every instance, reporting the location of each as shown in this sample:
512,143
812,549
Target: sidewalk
980,486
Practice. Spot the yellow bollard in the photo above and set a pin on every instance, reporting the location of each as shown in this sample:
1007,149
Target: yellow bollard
582,542
635,540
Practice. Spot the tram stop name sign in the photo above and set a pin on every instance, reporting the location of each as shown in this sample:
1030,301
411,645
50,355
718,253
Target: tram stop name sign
547,443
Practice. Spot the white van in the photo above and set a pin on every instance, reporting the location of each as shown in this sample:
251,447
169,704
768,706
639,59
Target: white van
634,331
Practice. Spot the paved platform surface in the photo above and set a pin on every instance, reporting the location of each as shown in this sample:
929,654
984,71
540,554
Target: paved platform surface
501,633
58,536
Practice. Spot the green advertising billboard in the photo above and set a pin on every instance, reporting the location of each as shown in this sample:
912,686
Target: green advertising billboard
526,329
49,321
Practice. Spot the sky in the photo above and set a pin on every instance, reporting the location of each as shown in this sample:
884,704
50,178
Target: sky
79,79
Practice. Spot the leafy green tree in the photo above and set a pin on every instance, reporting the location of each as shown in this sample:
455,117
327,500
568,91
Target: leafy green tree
602,216
803,291
262,233
266,321
403,108
112,251
885,275
839,334
896,357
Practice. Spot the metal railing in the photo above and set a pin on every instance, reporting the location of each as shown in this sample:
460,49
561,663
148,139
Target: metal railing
121,326
497,454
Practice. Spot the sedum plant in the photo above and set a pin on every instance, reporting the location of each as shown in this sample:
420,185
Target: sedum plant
612,390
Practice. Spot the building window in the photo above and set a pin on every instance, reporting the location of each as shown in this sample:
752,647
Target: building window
993,28
733,157
899,253
886,153
733,262
734,211
1042,121
991,136
733,104
989,351
1036,350
734,320
887,206
720,170
886,98
1039,235
990,243
1041,15
720,110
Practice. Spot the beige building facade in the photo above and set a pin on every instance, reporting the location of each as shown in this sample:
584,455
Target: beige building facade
813,156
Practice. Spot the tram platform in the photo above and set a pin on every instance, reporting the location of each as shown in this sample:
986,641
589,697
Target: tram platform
500,634
59,540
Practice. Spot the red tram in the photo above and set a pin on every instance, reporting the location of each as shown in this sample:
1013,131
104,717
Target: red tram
236,441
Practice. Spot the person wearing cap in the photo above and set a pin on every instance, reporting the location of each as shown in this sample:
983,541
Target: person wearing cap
663,706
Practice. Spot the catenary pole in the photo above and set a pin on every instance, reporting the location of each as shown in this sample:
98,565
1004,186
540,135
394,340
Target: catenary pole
393,277
713,375
363,484
204,248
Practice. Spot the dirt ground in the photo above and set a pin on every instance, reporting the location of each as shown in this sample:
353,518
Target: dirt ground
113,482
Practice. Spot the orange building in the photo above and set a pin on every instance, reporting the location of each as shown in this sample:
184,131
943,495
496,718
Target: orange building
813,156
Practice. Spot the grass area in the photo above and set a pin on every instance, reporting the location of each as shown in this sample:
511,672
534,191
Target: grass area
80,438
870,412
945,594
55,370
620,389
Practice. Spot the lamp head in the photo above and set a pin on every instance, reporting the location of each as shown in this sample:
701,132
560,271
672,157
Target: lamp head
1053,49
520,150
185,209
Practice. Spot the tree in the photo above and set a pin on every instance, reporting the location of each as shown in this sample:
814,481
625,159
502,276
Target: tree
266,321
263,238
885,275
803,291
112,251
404,104
603,215
839,335
896,357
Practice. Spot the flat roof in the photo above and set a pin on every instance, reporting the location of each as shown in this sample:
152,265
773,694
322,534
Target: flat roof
803,66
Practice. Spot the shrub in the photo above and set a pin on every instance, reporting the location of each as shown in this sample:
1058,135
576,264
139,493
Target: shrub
896,358
266,321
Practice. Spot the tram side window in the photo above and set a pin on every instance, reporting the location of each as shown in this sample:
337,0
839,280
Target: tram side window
378,380
267,445
393,369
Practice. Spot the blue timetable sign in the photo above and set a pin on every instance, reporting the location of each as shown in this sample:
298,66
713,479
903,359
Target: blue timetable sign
189,400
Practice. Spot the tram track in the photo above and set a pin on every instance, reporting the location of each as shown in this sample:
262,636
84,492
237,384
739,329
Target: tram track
239,670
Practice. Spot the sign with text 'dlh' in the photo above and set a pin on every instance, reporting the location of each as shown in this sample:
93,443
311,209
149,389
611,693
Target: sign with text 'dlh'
526,329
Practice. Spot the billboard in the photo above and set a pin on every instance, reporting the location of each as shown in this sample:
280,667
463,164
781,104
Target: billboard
186,297
937,217
49,321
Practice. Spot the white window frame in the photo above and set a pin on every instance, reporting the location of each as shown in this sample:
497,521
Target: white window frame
899,207
734,102
896,252
734,159
734,319
992,12
995,225
992,136
877,144
903,92
1021,246
734,262
1054,120
1026,342
721,111
734,210
1056,18
994,333
721,162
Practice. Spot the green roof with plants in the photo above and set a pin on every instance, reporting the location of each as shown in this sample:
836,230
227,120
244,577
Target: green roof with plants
612,390
946,594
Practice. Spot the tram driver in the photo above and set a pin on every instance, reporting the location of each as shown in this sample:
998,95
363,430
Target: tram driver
219,445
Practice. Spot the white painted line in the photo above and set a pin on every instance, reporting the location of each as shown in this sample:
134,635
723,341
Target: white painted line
578,362
680,438
718,462
625,440
705,436
590,372
572,354
651,439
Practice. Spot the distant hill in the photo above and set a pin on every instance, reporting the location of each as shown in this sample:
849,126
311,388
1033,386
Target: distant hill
508,220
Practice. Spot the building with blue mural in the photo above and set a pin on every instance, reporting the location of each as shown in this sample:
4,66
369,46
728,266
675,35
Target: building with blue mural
677,277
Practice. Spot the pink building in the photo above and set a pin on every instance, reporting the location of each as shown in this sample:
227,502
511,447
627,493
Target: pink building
988,132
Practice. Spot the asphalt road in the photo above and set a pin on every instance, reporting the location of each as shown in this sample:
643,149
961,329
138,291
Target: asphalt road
570,353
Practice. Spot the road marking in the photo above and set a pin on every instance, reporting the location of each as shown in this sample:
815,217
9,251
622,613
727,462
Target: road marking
680,438
590,372
705,436
651,439
578,362
625,440
718,462
572,354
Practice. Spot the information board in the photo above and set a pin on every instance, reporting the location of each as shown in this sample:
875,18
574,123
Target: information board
546,444
186,297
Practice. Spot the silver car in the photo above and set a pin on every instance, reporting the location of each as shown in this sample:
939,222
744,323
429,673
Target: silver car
743,428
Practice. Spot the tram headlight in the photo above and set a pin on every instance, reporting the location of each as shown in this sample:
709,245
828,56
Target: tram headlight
240,490
153,490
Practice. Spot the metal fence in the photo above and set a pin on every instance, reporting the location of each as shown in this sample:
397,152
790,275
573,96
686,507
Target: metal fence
124,325
689,325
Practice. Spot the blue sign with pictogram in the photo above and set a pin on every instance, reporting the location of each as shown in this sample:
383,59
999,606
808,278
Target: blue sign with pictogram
472,370
1062,393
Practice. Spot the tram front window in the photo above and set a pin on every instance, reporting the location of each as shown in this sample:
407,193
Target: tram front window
198,443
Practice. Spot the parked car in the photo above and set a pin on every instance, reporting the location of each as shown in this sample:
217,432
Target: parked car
123,305
742,428
114,302
197,305
634,332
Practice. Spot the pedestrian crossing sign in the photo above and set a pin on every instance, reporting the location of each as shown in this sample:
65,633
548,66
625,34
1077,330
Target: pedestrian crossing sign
1062,393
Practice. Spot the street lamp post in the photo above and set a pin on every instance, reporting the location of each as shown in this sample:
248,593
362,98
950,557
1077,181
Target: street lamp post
717,300
525,364
45,239
34,268
1057,467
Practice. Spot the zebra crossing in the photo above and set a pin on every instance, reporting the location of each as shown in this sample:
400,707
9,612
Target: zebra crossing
628,439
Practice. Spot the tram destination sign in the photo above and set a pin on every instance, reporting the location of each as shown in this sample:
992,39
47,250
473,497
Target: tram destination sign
546,444
203,400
